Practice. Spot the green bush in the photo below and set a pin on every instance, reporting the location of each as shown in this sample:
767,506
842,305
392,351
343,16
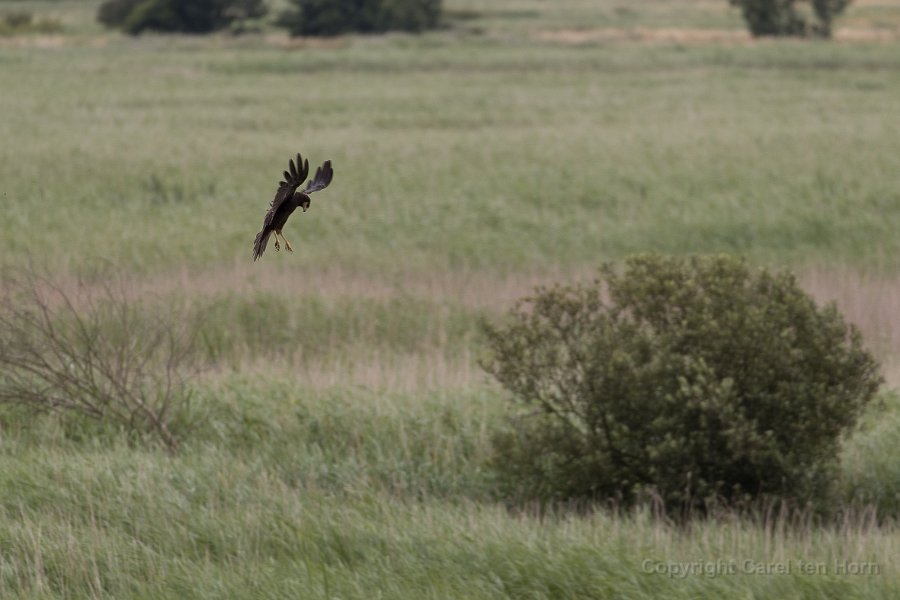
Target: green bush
334,17
13,23
790,17
114,13
197,16
698,381
826,11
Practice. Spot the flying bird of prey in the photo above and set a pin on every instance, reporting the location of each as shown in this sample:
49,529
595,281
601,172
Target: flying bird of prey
287,199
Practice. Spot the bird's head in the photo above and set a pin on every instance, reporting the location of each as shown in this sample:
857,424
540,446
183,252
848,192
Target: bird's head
304,202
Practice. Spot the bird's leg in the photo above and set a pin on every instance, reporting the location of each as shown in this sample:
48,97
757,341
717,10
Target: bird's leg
277,245
287,244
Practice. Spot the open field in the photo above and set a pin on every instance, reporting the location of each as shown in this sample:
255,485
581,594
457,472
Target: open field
343,444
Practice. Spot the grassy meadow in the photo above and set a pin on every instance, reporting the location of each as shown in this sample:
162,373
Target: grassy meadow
341,440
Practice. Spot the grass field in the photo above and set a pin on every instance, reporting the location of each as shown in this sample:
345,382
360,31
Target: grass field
344,444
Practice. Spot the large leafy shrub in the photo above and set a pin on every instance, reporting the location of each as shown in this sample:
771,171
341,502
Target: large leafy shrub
694,381
791,17
196,16
334,17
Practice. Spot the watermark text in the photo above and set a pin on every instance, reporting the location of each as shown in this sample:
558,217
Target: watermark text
711,569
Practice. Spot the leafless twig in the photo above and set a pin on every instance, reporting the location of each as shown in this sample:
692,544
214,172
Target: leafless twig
92,349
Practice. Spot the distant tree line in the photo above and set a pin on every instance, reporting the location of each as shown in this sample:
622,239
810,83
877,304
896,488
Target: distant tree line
304,17
791,17
334,17
196,16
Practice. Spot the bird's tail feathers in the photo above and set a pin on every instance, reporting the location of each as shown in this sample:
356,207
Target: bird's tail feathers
259,246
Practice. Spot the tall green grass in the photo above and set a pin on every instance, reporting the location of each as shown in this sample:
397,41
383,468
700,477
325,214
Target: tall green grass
295,328
288,492
870,475
451,153
339,445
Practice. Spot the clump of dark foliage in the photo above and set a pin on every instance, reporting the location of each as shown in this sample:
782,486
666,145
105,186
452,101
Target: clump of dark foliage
696,382
196,16
334,17
791,17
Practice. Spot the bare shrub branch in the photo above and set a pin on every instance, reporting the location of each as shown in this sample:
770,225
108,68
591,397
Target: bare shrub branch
93,349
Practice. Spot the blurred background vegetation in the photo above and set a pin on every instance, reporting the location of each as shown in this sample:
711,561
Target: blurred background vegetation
338,439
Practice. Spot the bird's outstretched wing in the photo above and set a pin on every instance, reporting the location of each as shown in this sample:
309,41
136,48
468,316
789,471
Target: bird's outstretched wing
293,178
321,180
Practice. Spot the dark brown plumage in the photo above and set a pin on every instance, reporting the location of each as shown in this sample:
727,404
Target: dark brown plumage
287,199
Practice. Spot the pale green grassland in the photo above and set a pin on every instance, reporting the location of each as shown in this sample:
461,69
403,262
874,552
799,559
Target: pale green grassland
343,441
